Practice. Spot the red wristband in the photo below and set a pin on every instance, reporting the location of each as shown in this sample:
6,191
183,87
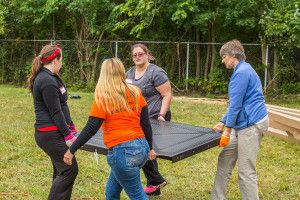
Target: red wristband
161,115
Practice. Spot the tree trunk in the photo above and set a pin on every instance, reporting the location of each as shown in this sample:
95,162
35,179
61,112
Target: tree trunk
172,66
207,55
275,85
3,70
262,40
95,59
179,65
11,68
20,67
88,48
268,76
34,41
263,52
198,64
79,54
53,28
213,47
80,49
207,62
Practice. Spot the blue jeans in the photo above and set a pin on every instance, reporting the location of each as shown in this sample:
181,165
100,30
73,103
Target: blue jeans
126,160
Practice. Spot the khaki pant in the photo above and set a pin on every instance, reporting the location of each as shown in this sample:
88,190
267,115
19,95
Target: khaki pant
243,146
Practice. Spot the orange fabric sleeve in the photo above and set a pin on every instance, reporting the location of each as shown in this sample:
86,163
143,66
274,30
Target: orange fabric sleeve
97,112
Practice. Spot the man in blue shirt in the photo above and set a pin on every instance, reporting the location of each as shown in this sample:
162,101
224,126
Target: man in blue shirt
246,122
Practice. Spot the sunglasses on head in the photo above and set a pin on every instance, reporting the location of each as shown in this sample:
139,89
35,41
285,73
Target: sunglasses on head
138,55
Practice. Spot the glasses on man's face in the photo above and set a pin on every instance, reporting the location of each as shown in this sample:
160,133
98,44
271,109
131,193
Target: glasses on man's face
138,55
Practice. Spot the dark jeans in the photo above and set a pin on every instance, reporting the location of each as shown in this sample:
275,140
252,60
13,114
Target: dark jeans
150,169
54,145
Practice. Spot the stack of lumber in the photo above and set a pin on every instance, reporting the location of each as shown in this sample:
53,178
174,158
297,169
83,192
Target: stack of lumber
284,123
201,100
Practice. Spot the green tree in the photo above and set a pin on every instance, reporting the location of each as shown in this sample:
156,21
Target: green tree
86,20
281,25
137,14
3,11
89,20
282,20
207,21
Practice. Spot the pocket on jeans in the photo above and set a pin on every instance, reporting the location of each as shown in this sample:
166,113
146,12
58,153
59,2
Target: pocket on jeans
133,156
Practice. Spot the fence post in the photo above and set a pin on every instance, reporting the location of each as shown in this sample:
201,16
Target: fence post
266,70
187,64
116,50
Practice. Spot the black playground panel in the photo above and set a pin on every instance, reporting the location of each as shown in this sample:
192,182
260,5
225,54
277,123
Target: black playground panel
171,141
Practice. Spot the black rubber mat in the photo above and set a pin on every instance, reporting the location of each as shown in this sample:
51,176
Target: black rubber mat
171,141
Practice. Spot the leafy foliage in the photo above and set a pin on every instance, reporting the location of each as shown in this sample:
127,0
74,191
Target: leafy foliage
92,22
282,19
3,11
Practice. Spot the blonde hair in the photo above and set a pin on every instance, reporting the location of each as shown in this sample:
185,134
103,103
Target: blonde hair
111,88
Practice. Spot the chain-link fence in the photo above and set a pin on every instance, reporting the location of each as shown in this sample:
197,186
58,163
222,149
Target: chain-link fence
190,65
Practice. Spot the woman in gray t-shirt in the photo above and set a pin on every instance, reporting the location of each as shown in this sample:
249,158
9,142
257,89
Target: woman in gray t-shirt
156,89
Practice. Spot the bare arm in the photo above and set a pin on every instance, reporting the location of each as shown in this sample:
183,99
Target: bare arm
165,91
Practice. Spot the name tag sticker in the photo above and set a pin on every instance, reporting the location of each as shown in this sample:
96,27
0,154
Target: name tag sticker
128,80
62,89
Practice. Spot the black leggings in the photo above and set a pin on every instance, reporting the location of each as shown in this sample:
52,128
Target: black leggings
150,169
54,145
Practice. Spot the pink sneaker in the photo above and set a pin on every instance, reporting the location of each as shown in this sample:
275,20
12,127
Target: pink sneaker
152,188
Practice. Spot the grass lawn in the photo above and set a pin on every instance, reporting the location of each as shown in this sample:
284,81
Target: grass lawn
25,168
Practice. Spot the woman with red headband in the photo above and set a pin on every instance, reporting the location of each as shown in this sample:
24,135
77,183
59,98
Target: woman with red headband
53,127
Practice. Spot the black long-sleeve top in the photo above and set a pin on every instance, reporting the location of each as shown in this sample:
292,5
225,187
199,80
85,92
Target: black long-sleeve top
50,102
94,123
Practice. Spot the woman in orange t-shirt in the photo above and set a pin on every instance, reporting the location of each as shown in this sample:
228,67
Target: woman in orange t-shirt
126,128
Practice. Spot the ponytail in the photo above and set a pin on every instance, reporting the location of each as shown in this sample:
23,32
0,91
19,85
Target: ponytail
36,67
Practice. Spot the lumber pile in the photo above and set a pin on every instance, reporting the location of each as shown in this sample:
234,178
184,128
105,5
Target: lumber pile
284,123
201,100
